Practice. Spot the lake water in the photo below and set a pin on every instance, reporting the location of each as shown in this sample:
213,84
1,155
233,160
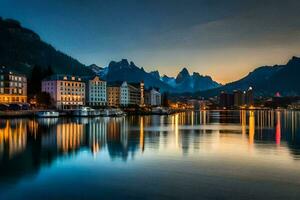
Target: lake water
192,155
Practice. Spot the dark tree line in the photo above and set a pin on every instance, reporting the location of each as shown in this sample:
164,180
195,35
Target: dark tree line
35,80
34,88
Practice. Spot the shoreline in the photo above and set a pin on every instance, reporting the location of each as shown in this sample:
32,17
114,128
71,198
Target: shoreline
67,113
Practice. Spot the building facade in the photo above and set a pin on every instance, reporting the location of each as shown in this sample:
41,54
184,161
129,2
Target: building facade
67,92
239,98
113,94
13,87
132,94
226,100
95,89
250,97
152,97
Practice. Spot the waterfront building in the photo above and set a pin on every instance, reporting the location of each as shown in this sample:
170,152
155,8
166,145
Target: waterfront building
295,105
199,104
283,102
249,97
194,103
226,100
239,98
13,87
132,94
95,89
205,104
67,92
113,94
152,97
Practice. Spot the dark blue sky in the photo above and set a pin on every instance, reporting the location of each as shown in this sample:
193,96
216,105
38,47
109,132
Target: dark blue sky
224,39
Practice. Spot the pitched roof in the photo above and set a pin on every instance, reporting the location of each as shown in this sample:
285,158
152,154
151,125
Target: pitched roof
62,77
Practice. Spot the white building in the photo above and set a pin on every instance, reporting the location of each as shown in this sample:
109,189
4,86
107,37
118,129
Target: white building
67,92
132,94
95,89
153,97
124,94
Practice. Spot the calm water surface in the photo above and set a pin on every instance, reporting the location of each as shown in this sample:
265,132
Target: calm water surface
193,155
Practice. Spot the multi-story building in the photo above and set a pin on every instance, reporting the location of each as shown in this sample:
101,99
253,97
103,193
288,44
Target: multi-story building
13,87
66,91
239,98
249,97
95,90
152,97
113,94
226,100
132,94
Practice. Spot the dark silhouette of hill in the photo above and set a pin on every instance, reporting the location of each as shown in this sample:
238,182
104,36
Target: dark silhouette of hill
266,81
21,49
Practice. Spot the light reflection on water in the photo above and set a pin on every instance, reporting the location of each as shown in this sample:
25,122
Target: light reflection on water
198,152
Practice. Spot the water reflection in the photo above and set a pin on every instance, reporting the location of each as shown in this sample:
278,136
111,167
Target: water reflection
251,127
28,144
13,138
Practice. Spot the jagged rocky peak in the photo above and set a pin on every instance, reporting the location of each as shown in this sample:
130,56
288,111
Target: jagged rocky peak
295,58
123,64
185,71
197,75
132,64
183,75
155,74
118,65
294,61
95,68
112,64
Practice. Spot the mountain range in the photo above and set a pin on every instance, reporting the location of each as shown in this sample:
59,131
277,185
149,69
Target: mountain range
266,81
21,49
128,71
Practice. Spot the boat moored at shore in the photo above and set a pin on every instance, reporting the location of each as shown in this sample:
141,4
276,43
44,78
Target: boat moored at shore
85,112
47,114
113,112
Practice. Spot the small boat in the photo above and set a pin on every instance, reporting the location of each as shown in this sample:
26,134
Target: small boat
113,113
85,112
161,111
47,114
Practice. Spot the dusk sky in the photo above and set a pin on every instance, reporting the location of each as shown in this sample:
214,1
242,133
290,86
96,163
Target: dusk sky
223,39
